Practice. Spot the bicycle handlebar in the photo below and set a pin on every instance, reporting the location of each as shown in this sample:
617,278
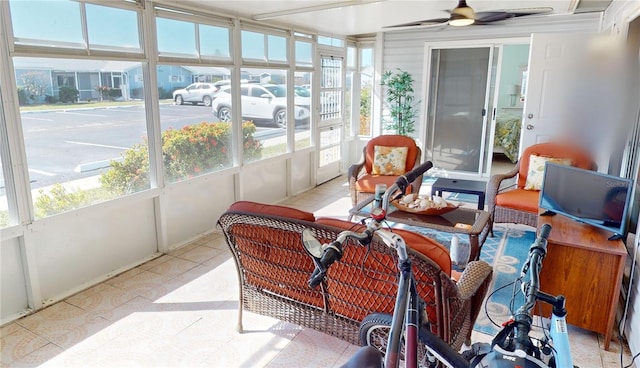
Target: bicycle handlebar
523,318
404,180
332,252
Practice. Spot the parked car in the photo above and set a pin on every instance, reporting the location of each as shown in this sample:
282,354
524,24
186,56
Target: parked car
198,93
262,103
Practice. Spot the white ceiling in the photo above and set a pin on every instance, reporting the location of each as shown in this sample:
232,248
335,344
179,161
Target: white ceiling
358,17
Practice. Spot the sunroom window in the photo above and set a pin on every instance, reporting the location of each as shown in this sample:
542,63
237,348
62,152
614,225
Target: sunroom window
80,150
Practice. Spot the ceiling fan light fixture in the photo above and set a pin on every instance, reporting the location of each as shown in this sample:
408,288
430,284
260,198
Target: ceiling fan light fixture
462,15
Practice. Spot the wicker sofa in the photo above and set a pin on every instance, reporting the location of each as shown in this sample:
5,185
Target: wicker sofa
273,270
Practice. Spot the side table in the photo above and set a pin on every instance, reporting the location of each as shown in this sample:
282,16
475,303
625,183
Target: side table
460,186
586,268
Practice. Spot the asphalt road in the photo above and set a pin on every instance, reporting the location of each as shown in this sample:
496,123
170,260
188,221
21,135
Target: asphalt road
68,145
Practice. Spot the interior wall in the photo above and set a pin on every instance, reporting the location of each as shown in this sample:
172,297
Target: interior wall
405,49
264,181
76,249
302,166
622,19
514,62
190,209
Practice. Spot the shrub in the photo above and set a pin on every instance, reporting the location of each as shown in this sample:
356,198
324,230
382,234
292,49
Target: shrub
108,93
35,84
132,174
164,94
68,94
137,93
50,99
59,199
187,152
196,148
23,97
4,219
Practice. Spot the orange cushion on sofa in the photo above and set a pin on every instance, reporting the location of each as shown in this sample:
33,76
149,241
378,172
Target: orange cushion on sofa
419,243
271,209
520,199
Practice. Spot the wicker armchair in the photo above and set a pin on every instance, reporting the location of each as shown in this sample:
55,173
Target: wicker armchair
520,206
273,270
362,181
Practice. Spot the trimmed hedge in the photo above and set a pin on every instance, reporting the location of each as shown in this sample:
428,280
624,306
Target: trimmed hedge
187,152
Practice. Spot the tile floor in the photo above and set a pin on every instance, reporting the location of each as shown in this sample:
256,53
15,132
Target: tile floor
180,310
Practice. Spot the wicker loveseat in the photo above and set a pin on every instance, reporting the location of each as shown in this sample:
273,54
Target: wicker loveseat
273,270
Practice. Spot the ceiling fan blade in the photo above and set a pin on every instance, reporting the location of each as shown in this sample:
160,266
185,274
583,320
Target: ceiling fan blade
435,21
487,17
492,16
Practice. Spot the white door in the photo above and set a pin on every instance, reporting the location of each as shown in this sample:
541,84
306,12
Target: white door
330,117
548,92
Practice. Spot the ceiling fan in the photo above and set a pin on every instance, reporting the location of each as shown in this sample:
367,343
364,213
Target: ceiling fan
464,15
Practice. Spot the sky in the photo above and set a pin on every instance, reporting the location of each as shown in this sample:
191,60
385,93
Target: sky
59,21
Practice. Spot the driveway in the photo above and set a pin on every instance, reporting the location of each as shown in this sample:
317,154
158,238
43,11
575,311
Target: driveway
65,145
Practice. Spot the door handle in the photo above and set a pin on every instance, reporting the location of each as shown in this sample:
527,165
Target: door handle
530,116
529,127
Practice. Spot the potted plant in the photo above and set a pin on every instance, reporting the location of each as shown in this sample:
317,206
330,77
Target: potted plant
399,88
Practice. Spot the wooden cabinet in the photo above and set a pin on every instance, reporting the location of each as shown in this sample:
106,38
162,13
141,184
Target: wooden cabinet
585,267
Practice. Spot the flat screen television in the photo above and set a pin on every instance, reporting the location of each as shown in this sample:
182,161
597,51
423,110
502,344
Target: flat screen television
587,196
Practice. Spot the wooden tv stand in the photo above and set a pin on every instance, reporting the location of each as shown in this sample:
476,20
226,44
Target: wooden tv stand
585,267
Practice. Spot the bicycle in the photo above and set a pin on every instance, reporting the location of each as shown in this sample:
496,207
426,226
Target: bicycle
408,327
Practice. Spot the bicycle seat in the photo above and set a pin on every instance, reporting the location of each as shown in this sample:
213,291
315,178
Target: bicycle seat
365,357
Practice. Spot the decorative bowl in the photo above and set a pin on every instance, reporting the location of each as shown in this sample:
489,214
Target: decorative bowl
428,211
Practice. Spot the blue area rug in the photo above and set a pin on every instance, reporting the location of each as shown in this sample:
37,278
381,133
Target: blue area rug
507,260
506,251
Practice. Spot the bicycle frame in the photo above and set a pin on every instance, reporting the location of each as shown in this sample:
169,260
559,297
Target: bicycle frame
558,333
560,337
406,310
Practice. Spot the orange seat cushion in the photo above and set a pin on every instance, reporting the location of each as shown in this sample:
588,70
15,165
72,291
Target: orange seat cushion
271,209
367,183
519,199
419,243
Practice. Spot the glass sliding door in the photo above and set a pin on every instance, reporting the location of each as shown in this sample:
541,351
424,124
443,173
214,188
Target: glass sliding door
457,111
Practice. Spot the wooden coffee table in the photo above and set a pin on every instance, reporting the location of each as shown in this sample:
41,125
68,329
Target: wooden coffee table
471,222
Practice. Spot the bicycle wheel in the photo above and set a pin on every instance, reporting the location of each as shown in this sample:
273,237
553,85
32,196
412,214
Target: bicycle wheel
374,331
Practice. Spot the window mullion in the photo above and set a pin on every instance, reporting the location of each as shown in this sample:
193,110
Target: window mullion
13,151
152,106
83,23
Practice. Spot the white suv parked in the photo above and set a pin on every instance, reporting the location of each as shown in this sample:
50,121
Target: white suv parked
262,102
197,93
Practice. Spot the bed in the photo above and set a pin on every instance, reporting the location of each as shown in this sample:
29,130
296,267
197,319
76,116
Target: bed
507,136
